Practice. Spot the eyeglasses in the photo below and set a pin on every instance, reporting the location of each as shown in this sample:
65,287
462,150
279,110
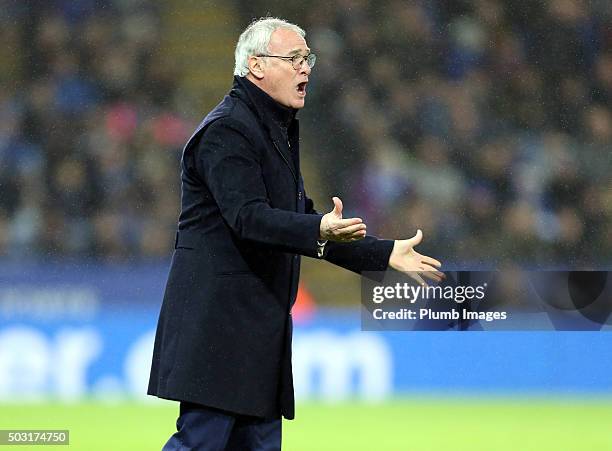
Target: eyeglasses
297,60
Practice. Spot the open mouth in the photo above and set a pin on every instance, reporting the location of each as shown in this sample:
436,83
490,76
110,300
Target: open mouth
301,88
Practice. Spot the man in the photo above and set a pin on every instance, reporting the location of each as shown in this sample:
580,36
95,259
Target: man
223,343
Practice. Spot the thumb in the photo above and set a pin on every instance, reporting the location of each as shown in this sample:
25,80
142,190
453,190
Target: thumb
337,207
416,239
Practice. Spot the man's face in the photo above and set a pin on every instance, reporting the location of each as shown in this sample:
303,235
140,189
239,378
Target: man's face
281,81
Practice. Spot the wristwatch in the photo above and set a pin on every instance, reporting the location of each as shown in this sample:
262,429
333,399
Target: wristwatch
321,248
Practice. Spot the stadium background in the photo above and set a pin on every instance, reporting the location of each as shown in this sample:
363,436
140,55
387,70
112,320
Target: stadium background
485,123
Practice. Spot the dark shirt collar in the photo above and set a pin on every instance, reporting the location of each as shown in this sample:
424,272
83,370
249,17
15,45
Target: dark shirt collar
265,105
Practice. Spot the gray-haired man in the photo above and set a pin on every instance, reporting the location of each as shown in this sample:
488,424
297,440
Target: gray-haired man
223,342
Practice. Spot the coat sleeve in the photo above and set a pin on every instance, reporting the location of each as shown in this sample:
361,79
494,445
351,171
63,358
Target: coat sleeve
368,254
230,167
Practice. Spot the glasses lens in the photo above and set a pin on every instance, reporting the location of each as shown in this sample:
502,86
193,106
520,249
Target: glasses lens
298,60
311,60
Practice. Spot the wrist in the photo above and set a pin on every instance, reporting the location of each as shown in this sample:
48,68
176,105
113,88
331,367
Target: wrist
393,256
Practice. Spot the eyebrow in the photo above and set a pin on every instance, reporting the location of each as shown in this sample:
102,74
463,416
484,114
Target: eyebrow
296,51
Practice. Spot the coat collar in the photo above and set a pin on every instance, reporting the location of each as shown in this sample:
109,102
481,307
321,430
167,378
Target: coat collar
280,121
264,105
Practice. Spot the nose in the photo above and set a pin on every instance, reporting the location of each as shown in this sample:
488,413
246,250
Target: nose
305,68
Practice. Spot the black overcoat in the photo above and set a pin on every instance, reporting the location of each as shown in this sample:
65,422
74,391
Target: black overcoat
224,332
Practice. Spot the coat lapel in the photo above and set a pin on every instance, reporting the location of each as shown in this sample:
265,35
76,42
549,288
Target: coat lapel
281,146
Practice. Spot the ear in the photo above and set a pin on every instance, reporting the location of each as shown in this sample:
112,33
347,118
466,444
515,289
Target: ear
256,66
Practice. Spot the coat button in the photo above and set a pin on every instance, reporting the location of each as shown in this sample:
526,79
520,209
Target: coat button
299,195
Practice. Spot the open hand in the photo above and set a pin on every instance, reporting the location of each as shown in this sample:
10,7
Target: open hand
405,259
334,228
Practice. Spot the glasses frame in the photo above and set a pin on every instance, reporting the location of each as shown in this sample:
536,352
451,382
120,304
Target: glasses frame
311,57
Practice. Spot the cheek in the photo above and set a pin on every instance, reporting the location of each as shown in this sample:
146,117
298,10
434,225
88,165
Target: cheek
288,86
289,83
283,87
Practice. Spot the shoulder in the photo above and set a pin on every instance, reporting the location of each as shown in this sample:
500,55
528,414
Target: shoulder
228,127
235,118
230,134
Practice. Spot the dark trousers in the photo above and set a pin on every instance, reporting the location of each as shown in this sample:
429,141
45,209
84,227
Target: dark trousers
201,428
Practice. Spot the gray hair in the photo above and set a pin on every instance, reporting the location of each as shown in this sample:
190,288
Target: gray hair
255,40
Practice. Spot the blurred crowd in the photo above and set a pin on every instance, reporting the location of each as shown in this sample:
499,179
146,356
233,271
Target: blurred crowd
485,123
88,136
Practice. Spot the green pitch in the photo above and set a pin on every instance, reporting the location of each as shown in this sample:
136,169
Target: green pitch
420,424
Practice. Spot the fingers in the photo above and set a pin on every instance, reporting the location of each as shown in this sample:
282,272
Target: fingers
416,239
337,206
355,230
430,270
427,272
436,276
430,261
334,228
351,229
342,230
356,236
433,270
343,223
415,275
